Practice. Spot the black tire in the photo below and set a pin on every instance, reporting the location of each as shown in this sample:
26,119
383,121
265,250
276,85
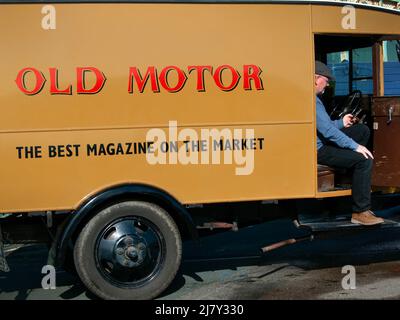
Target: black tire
130,250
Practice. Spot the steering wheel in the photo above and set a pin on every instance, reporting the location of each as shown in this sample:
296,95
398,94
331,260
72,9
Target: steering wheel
352,105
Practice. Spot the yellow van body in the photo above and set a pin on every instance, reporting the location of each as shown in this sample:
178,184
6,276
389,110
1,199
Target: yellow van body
79,98
113,38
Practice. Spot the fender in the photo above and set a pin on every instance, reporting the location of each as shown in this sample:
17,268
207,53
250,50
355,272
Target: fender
122,192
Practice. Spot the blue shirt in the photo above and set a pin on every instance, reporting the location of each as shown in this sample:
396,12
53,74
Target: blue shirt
328,130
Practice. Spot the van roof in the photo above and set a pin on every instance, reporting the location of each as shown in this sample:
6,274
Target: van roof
392,6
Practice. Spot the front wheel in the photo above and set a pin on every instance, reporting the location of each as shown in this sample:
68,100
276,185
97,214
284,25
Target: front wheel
130,250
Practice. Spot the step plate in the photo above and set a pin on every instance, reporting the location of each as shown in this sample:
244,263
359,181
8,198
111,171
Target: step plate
344,224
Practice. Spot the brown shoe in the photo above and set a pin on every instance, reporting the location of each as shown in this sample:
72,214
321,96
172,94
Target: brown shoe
366,218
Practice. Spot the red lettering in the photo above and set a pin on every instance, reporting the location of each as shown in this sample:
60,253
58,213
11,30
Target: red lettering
54,83
40,80
141,82
252,72
80,75
226,78
181,79
200,75
218,78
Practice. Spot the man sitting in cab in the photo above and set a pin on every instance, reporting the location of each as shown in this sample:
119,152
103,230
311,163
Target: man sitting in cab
341,144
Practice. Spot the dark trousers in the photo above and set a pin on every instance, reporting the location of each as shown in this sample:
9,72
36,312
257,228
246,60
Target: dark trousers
361,168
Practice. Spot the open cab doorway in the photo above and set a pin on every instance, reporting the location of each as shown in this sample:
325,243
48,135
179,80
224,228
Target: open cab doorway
367,72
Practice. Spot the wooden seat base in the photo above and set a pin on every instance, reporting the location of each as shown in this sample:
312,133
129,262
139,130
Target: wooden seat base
326,178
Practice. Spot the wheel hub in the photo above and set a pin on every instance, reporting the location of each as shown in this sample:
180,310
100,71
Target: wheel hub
130,251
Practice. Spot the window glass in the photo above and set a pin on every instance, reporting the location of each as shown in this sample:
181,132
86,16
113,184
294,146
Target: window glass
362,70
339,64
365,86
391,64
361,77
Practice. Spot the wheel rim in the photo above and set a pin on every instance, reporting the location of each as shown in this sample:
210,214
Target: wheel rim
130,251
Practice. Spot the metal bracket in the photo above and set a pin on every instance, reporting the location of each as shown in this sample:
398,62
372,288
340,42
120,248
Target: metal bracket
219,225
390,112
283,243
49,215
3,262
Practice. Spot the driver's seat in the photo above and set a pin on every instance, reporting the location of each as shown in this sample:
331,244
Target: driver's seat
330,179
326,178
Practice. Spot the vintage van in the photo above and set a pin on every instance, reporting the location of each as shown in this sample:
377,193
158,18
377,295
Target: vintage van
128,126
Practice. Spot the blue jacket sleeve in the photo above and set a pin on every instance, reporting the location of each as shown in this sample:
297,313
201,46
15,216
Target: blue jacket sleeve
339,123
330,130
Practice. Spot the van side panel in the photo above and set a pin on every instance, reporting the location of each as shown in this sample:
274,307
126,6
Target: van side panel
116,39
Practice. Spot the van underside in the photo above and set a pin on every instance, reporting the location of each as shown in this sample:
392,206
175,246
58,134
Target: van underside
316,216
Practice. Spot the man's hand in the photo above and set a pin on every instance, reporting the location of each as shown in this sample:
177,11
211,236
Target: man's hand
365,152
348,120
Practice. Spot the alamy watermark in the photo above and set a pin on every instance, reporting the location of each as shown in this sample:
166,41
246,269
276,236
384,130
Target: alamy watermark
349,21
49,280
349,280
49,20
204,146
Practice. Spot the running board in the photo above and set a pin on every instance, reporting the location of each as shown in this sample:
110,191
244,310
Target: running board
3,262
342,224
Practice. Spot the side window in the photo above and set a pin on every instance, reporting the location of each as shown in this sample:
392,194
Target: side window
339,64
391,63
352,70
362,70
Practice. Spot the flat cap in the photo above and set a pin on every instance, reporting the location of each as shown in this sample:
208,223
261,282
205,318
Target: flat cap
323,70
